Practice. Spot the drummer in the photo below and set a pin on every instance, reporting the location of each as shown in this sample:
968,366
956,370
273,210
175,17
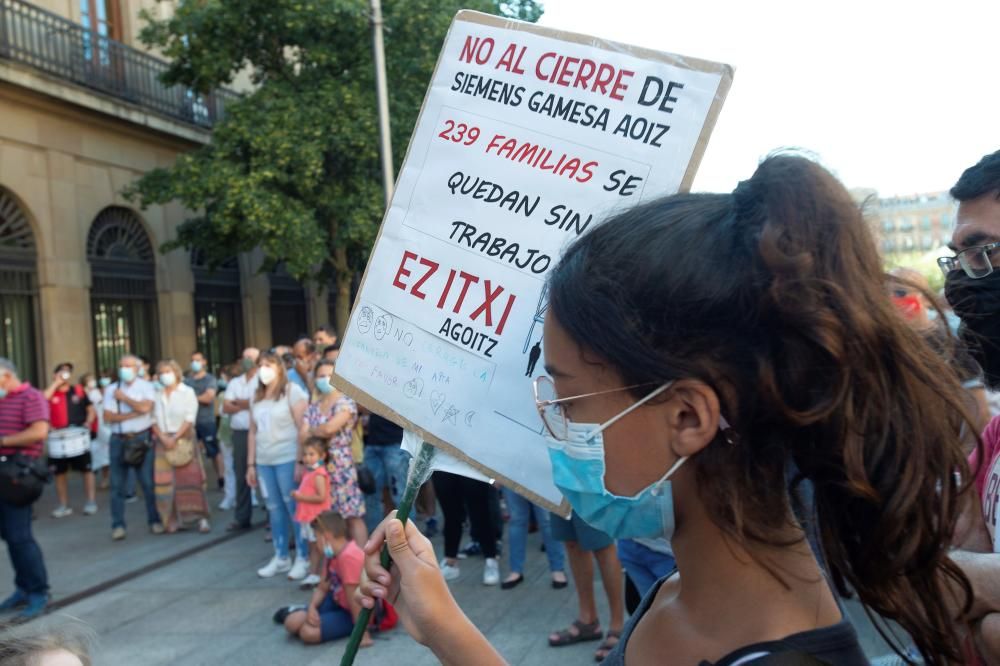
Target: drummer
70,407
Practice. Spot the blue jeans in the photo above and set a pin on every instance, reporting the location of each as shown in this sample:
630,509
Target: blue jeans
30,577
389,464
279,482
517,533
119,473
643,565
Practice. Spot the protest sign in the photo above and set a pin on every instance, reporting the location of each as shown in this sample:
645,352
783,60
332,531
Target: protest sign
527,138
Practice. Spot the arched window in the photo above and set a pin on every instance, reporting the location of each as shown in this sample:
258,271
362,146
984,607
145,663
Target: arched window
123,287
18,289
218,310
288,308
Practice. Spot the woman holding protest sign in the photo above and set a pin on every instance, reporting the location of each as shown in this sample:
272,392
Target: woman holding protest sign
700,346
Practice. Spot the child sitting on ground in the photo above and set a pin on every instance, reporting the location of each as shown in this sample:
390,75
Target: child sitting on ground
312,498
332,610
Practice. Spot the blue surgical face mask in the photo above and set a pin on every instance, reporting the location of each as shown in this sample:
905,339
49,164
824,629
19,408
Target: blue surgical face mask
104,382
324,386
328,551
196,366
578,468
127,375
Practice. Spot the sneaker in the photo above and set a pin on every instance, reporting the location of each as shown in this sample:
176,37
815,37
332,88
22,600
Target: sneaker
90,508
131,499
117,534
62,511
450,571
491,573
472,550
309,582
36,606
156,528
226,504
300,569
275,566
17,600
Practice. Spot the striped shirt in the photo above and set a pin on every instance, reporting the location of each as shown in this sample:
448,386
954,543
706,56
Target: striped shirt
22,407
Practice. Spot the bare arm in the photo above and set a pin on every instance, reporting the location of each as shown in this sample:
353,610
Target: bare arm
91,415
333,426
140,406
235,406
35,432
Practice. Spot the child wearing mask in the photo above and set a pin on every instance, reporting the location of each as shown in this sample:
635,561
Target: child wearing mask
333,608
312,498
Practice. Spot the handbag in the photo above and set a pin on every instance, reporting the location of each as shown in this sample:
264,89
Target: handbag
22,479
366,480
135,449
181,454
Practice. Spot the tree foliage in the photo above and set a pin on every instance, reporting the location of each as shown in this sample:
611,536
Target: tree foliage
294,167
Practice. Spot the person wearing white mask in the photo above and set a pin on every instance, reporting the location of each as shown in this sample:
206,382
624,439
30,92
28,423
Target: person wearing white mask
71,407
333,417
180,483
205,386
273,450
128,411
99,459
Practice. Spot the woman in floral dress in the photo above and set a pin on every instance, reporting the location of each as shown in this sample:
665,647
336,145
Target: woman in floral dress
333,417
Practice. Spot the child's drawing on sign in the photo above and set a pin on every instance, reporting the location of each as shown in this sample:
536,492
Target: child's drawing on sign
365,317
383,324
414,388
450,415
437,399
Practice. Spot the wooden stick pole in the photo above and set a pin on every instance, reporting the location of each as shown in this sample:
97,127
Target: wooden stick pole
420,471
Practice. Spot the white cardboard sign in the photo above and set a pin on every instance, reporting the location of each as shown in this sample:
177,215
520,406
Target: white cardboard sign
527,138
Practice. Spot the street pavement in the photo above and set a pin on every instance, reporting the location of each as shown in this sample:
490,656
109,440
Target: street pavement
191,599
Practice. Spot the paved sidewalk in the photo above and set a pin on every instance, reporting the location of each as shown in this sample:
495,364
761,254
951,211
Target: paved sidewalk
211,608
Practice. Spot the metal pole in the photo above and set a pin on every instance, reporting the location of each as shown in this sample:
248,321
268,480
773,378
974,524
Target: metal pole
382,93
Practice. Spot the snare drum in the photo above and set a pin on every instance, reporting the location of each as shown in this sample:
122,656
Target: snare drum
68,442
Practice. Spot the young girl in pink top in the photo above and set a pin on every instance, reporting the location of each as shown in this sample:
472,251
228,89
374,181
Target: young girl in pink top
312,498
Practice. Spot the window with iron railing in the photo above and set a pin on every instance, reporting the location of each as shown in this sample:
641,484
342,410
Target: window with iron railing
89,55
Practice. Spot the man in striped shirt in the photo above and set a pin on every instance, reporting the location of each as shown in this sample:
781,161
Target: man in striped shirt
24,424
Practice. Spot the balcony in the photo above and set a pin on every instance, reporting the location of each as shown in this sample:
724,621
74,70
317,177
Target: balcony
52,44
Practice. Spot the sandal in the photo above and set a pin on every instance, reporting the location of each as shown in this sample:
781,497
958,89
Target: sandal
607,646
585,632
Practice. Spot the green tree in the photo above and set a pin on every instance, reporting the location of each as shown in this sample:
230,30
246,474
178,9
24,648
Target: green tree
294,167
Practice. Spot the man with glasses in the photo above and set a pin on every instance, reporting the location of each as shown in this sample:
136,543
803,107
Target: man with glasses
973,288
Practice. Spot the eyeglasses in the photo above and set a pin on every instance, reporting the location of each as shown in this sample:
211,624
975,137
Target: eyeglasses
553,409
975,261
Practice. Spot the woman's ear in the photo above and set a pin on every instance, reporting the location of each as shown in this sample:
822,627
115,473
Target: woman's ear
692,412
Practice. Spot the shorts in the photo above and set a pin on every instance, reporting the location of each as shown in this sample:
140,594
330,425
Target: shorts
575,529
334,621
80,463
207,434
307,532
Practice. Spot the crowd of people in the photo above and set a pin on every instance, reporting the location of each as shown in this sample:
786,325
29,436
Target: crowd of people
773,419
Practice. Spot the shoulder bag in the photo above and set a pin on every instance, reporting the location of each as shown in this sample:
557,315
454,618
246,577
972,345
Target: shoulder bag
22,479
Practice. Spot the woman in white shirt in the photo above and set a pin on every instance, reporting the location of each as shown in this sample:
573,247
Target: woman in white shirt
180,491
276,412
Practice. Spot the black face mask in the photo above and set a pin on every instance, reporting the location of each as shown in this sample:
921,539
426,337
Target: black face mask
977,303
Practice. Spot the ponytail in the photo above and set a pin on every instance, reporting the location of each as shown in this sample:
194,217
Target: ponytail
775,296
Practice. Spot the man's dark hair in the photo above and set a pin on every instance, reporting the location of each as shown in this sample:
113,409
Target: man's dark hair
328,329
978,180
64,364
307,343
144,359
331,348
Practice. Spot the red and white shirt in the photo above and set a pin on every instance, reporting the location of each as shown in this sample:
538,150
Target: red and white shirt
23,406
988,478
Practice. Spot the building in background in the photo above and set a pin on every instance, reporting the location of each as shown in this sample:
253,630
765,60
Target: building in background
909,225
82,115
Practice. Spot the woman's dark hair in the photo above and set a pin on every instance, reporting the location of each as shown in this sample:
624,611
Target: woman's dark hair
979,179
775,296
324,362
320,445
